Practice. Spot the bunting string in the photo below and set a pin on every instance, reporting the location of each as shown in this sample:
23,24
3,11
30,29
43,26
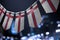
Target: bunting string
33,14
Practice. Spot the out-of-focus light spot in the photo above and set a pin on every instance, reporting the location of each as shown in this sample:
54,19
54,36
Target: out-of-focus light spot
12,28
44,16
51,38
11,38
58,25
46,37
38,35
47,33
35,37
39,26
3,37
8,37
51,22
24,38
58,30
13,31
42,34
58,22
38,39
28,34
32,34
30,39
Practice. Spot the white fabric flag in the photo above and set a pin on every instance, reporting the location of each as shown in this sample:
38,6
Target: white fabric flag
19,22
2,11
34,16
49,5
8,20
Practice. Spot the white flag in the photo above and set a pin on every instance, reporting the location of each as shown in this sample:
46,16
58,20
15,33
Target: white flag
19,22
2,11
49,5
34,16
8,20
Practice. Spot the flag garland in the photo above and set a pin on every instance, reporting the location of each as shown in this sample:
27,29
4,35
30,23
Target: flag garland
49,5
19,21
9,16
34,16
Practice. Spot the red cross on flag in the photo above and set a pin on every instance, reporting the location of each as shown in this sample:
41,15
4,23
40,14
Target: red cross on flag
49,5
8,20
2,11
19,21
34,16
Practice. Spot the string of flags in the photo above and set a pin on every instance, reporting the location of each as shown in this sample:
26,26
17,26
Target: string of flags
33,14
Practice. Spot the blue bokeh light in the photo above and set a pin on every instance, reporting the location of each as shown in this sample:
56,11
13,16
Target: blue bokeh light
12,28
